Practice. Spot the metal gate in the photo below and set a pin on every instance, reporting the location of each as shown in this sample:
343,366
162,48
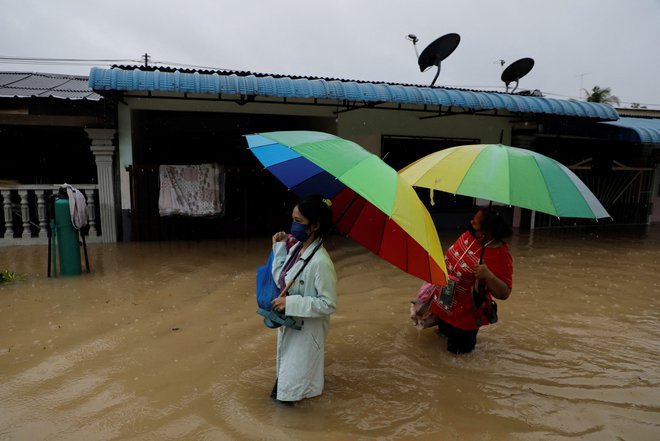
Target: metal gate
625,192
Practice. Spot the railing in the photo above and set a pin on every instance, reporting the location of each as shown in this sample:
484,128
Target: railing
23,218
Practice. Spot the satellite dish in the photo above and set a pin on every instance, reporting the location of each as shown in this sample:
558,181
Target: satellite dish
515,71
437,51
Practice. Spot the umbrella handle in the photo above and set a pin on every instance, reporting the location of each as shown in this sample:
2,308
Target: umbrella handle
286,288
483,245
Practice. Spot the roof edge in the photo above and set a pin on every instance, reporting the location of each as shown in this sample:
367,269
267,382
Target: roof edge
246,83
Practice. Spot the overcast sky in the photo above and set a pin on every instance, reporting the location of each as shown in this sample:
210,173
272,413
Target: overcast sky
576,44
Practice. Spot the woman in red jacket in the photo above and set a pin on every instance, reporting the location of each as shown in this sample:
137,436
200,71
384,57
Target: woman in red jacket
466,304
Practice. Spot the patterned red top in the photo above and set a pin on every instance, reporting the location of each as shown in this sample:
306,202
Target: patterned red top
460,259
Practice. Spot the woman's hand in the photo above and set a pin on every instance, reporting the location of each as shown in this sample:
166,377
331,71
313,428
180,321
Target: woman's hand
497,287
279,303
482,272
279,237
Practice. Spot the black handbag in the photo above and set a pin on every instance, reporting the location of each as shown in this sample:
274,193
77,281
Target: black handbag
482,302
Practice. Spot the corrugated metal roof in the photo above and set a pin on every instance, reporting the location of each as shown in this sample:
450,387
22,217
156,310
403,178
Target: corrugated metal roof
638,130
46,85
167,80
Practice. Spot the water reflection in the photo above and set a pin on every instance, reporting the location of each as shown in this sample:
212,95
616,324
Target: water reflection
161,341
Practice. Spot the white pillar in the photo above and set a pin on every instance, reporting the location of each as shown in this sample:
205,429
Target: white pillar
41,212
25,213
104,150
9,222
91,212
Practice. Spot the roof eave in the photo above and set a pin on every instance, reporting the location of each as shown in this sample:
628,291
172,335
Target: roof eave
218,83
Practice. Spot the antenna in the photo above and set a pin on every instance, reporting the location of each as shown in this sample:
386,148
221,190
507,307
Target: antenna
515,71
435,52
581,81
414,39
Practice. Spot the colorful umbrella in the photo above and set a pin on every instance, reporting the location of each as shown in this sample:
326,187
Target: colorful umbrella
371,203
507,175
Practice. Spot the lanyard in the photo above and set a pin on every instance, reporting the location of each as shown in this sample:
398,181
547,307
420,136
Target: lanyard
289,264
468,249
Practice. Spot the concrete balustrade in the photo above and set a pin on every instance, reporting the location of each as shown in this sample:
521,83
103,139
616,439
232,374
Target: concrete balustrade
24,217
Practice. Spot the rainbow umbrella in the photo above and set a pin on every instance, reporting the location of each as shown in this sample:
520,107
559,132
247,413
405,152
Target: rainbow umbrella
371,203
507,175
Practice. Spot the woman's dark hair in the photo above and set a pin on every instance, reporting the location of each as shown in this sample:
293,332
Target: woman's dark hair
315,209
496,223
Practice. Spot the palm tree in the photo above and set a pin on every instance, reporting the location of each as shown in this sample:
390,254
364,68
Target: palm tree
598,95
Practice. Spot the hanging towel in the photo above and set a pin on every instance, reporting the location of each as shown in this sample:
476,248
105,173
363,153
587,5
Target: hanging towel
191,190
77,206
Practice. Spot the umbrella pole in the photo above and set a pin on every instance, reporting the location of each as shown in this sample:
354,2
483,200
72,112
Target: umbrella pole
478,298
335,223
483,243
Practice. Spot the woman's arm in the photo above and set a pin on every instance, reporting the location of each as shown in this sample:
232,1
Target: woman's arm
279,258
495,285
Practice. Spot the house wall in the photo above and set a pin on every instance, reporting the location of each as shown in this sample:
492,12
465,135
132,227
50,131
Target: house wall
366,127
182,132
655,198
125,149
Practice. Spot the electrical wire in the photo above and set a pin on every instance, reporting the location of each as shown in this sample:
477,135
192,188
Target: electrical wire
39,60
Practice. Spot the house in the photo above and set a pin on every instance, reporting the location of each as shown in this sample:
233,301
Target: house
45,123
184,117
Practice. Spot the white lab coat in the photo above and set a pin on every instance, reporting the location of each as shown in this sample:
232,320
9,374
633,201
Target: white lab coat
311,300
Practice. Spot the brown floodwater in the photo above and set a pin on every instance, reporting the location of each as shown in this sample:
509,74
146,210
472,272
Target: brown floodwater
161,342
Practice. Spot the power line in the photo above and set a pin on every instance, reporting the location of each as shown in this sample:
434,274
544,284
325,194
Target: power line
38,60
193,66
144,60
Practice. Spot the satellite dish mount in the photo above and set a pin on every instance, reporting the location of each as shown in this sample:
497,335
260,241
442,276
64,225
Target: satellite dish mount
435,52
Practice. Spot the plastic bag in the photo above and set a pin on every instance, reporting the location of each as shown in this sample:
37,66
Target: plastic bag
267,290
420,308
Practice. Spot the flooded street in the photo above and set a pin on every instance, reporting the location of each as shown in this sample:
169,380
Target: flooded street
161,342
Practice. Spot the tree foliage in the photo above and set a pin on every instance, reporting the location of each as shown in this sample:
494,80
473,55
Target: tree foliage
602,95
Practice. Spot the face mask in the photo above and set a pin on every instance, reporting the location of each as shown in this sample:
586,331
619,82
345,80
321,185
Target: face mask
299,231
473,232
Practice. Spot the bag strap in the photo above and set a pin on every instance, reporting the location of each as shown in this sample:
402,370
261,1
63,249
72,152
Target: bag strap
305,262
279,319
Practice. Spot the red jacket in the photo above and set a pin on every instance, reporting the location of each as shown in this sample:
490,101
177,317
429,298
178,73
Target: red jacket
460,259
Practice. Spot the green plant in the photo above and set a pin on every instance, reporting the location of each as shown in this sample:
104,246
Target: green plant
7,276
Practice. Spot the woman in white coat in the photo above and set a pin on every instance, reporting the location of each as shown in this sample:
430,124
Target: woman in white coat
310,300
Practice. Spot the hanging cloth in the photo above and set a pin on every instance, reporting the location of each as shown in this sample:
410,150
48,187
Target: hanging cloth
191,190
77,206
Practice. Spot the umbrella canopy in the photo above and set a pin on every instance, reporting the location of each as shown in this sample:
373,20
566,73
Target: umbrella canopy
507,175
371,203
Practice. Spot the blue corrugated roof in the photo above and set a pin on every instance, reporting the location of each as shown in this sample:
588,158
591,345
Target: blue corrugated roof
638,130
288,87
